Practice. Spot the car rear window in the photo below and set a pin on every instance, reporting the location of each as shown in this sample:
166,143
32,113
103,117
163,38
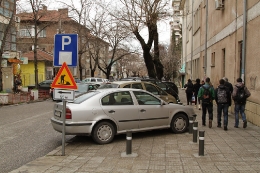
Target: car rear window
85,97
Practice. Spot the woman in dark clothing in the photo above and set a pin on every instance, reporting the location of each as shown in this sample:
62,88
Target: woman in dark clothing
189,91
196,88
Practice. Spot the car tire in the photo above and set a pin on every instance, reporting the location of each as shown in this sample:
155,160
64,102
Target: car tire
103,133
179,123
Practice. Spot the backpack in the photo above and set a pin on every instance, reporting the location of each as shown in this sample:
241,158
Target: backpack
240,97
206,97
222,95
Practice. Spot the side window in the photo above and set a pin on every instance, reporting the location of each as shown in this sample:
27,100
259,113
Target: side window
118,98
93,80
152,89
144,98
127,86
137,86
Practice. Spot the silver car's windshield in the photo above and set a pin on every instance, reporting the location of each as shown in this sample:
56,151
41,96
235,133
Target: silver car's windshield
108,86
84,97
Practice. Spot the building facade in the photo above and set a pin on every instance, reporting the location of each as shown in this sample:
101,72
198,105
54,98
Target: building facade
50,23
221,38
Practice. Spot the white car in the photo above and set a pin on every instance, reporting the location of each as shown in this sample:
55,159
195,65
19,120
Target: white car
104,113
95,80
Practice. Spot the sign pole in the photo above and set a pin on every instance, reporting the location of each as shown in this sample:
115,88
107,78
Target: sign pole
63,126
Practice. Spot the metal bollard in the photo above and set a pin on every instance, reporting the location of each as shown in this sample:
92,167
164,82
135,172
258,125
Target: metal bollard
195,131
128,142
190,124
201,143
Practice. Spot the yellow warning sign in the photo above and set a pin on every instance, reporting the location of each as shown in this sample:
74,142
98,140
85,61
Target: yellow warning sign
64,79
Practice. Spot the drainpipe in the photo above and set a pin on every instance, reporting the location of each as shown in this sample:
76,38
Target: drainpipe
206,38
244,41
191,40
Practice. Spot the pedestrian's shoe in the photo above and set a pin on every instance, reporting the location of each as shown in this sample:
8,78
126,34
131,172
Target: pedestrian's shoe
204,124
225,128
245,124
199,107
219,126
236,126
210,123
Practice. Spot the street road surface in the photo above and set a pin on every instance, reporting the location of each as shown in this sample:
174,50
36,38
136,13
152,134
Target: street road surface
26,133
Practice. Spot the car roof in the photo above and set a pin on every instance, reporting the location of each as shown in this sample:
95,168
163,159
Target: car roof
127,82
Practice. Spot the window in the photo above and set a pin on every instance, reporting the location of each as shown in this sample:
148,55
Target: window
144,98
151,89
137,86
213,59
118,98
7,7
127,86
42,33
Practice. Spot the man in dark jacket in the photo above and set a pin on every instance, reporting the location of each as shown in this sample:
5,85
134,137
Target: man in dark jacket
207,101
240,107
222,95
230,87
189,91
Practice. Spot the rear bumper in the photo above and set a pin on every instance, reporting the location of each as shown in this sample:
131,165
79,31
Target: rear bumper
73,128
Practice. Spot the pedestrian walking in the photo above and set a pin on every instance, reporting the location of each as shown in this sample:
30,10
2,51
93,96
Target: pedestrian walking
189,91
17,83
230,88
207,94
240,95
222,94
196,88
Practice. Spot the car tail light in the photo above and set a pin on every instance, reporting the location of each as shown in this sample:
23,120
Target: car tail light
68,114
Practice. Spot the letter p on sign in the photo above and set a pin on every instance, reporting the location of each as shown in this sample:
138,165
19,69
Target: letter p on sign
66,40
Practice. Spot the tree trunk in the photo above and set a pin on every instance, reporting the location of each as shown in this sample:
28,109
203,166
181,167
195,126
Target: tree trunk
157,63
148,59
80,66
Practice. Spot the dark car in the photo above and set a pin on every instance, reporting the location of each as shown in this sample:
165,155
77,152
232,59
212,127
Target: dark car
82,89
44,85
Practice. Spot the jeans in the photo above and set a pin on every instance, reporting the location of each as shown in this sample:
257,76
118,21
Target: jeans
241,109
224,108
206,107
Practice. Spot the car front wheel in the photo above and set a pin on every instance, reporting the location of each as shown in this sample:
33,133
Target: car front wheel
179,123
103,133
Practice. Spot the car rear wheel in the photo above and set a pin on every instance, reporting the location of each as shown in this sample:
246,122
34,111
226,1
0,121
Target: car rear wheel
103,133
179,123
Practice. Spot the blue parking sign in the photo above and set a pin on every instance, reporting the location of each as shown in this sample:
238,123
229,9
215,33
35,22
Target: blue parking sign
65,50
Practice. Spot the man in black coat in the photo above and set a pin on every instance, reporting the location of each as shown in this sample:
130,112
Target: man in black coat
230,88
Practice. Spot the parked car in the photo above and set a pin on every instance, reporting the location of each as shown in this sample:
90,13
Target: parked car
141,85
168,88
104,113
95,80
82,88
44,85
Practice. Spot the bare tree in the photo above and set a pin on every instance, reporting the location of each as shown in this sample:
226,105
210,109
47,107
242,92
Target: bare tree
33,20
140,14
80,11
6,31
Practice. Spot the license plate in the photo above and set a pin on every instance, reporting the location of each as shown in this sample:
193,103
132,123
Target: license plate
58,114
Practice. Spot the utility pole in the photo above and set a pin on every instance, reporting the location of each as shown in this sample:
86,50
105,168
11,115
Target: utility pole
206,38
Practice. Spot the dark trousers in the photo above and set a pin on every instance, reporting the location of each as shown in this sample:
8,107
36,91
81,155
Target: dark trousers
205,108
223,108
189,97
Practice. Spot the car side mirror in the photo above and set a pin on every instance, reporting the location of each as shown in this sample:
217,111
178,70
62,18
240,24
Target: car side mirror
162,102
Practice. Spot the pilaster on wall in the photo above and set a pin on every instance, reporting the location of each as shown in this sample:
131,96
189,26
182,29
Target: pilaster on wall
253,113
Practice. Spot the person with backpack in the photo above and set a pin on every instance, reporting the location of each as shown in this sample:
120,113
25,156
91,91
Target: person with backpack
239,95
189,91
207,95
222,94
230,87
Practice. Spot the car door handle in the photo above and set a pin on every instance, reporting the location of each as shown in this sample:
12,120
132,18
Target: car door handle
142,110
111,111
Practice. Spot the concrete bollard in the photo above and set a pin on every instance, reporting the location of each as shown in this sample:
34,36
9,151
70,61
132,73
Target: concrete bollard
128,142
195,131
201,143
190,124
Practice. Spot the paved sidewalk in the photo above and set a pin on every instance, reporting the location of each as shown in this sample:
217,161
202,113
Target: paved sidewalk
235,150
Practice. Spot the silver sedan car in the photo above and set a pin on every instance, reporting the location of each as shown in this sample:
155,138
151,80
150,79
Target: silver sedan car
104,113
